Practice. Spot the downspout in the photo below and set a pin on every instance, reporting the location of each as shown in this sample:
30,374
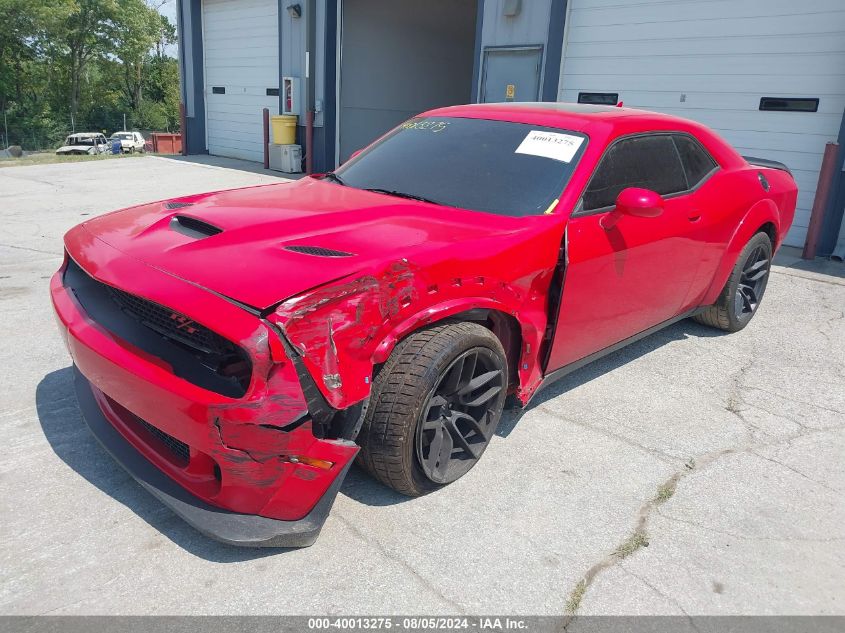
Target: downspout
310,83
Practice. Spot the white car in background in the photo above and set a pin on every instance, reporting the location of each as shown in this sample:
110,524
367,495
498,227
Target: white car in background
130,142
84,143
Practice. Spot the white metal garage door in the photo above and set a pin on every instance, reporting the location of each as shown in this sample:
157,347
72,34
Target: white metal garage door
712,62
241,48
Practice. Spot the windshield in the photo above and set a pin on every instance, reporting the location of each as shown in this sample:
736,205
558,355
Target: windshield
123,137
79,140
498,167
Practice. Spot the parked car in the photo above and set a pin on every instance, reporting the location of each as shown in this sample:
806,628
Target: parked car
84,143
236,351
130,142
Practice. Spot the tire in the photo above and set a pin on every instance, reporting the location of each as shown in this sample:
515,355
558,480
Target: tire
738,302
418,397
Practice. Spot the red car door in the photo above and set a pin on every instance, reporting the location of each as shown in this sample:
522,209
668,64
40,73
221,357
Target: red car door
625,279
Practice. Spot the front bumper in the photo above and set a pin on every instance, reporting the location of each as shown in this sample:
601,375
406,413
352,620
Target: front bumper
243,469
248,530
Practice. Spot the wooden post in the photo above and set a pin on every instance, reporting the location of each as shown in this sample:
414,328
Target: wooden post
309,142
182,129
826,175
265,114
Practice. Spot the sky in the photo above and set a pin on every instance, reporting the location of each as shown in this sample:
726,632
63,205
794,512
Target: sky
169,9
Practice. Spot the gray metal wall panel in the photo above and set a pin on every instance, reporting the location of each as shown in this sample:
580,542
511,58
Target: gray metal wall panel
530,27
401,57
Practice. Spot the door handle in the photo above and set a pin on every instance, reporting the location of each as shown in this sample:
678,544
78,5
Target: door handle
693,215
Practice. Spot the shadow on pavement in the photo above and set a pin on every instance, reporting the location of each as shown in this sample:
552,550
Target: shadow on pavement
71,440
230,163
677,332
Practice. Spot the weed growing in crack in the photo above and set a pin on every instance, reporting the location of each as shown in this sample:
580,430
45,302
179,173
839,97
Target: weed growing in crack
665,491
634,542
574,600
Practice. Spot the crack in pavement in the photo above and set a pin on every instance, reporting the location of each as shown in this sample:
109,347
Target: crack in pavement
663,457
401,562
695,464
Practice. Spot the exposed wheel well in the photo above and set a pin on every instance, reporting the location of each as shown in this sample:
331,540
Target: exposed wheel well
503,325
769,229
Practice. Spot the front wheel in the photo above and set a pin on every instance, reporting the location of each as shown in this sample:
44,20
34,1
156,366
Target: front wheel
744,290
434,407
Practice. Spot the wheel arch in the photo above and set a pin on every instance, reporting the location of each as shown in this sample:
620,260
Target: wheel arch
491,314
763,216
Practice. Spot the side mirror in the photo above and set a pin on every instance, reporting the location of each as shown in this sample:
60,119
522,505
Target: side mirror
640,203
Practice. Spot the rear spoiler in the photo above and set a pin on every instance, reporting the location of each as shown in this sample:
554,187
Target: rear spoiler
764,162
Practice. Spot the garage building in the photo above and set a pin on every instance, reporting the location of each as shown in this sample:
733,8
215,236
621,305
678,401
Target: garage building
769,75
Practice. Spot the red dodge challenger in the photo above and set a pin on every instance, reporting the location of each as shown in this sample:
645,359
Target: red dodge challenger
235,351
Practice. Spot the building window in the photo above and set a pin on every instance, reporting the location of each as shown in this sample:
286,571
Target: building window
218,90
789,104
599,98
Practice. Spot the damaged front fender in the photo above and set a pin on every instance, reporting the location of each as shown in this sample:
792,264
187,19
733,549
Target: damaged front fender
342,330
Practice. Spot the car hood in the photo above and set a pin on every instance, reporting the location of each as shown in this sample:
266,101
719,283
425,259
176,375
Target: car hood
236,243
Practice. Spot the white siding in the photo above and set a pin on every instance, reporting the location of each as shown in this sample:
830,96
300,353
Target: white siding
723,55
241,48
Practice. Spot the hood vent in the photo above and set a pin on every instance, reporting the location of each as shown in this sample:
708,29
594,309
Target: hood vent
193,227
318,251
177,205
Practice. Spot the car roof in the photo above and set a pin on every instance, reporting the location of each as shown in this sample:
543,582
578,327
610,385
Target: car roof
85,134
573,116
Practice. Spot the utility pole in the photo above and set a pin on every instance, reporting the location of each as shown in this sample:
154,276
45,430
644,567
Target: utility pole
72,125
6,128
124,121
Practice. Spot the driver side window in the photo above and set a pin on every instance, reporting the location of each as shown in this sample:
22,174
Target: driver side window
648,162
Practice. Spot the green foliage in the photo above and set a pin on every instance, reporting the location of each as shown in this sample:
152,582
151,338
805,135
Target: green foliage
84,64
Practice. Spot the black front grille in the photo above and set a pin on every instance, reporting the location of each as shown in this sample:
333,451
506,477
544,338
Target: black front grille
192,351
171,324
178,448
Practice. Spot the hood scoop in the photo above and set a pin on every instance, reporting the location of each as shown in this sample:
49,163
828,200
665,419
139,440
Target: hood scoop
192,227
318,251
177,205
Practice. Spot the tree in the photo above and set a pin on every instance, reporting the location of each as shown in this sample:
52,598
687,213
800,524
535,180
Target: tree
86,61
137,29
87,33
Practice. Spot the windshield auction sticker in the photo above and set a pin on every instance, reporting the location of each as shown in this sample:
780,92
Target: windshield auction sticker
552,145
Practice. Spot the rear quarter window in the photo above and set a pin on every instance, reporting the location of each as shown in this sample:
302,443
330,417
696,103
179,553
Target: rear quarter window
695,159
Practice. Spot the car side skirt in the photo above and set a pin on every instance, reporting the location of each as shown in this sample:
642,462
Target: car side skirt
559,373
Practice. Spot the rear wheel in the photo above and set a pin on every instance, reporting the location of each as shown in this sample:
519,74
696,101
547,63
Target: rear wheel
744,290
434,408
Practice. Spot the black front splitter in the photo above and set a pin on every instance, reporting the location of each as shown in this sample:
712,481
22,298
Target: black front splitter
244,530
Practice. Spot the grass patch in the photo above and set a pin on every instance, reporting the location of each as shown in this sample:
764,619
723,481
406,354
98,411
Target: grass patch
665,491
48,158
574,600
634,542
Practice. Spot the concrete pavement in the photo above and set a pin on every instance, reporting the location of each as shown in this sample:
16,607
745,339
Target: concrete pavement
692,473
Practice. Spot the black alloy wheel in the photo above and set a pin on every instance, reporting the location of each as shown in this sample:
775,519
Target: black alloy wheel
434,407
456,423
752,282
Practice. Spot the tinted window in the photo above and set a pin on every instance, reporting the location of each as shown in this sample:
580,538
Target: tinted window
471,164
697,162
649,162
